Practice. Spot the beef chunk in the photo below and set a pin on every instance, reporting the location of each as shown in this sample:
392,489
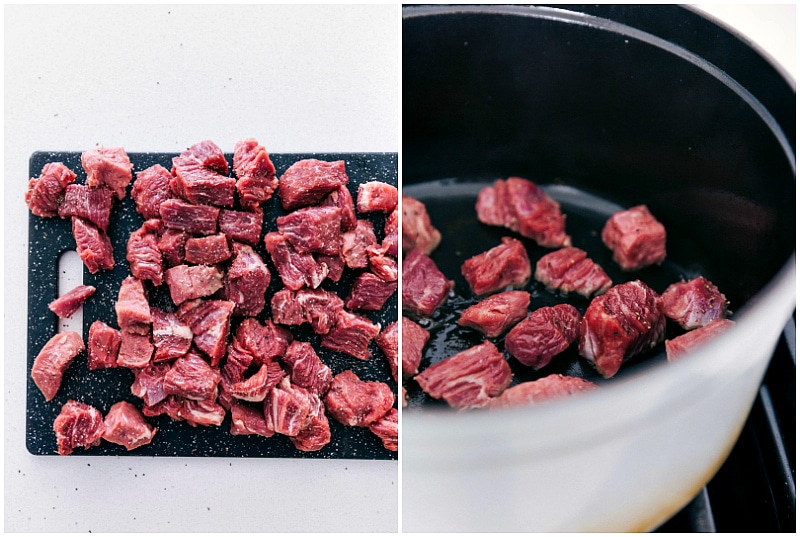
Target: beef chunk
257,386
351,335
93,245
387,342
45,193
681,345
296,270
108,166
545,333
469,378
620,323
306,369
376,196
148,383
145,258
506,265
389,243
356,403
386,429
312,229
694,304
369,292
418,232
68,303
383,266
191,377
150,189
246,281
425,288
133,310
356,244
207,250
317,432
54,358
414,339
240,226
494,315
195,413
200,176
287,408
340,197
256,173
125,425
315,306
186,283
92,204
636,238
307,182
78,425
210,323
248,420
541,390
194,219
135,350
569,270
171,337
262,342
173,246
334,264
103,345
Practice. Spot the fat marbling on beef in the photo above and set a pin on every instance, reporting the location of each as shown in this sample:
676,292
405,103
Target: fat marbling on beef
189,282
191,377
418,231
681,345
505,265
306,369
144,257
494,315
351,335
369,292
256,174
125,425
262,342
307,182
381,264
46,191
415,337
150,189
210,321
287,408
541,390
317,432
356,244
108,166
246,281
570,270
545,333
318,307
376,196
694,304
340,197
390,238
425,288
171,337
93,245
386,429
78,425
89,203
312,229
248,420
256,387
53,360
68,303
103,346
636,238
200,176
357,403
296,270
148,383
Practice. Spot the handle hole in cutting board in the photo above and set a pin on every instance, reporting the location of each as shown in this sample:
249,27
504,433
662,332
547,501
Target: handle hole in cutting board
70,275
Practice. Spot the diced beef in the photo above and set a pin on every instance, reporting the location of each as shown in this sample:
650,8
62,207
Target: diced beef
694,304
135,350
494,315
148,384
93,245
546,332
425,288
418,231
45,193
351,335
383,266
376,196
313,229
681,345
388,342
569,270
200,176
78,425
636,238
92,204
296,270
620,323
194,219
469,378
356,244
53,360
357,403
171,337
246,281
237,362
389,243
317,432
257,386
287,408
263,342
191,377
150,189
248,420
188,282
196,413
173,245
315,306
340,197
133,310
108,166
386,429
207,154
145,258
103,346
171,406
125,425
307,182
541,390
210,323
333,264
306,369
506,265
68,303
257,180
207,250
369,292
241,226
415,338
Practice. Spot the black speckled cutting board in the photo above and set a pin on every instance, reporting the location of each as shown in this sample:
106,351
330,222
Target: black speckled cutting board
49,238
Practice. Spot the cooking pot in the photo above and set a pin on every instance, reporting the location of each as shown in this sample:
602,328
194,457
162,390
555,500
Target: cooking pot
607,106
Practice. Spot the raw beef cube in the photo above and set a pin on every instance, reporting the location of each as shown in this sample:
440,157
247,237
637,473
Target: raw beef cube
194,219
125,425
306,369
636,238
356,403
694,304
340,197
334,264
150,189
246,281
315,306
389,243
191,377
620,323
506,265
386,429
92,204
545,333
256,387
356,243
307,182
418,232
108,166
248,420
173,245
206,412
469,378
78,425
68,303
494,315
171,406
570,270
425,288
540,390
414,339
133,310
207,154
376,196
207,250
199,176
210,322
45,193
171,337
317,432
287,408
148,384
369,292
240,226
54,358
186,283
295,269
685,343
256,173
135,350
383,266
103,345
145,258
93,245
313,229
351,335
387,342
262,342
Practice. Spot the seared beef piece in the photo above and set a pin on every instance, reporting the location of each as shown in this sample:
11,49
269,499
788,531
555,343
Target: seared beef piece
186,283
210,321
45,193
240,226
387,342
570,270
685,343
540,390
78,425
173,245
133,310
208,250
334,264
356,244
103,345
262,342
256,173
257,386
425,288
287,408
340,197
93,245
68,303
469,378
546,332
312,229
315,306
386,429
383,266
171,337
125,425
248,420
418,232
200,176
414,339
54,358
135,350
636,238
306,369
194,219
191,377
369,292
296,270
317,432
389,243
148,383
694,304
92,204
376,196
150,189
620,323
351,335
356,403
246,281
145,258
506,265
307,182
108,166
494,315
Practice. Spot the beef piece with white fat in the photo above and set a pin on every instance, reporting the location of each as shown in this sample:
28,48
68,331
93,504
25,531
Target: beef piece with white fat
540,390
78,425
125,425
287,408
256,387
425,288
636,238
386,429
256,174
241,226
246,281
376,196
200,176
546,332
53,360
317,432
68,303
388,342
340,197
313,229
333,264
191,377
103,346
494,315
351,334
133,310
189,282
569,270
135,350
171,337
369,292
108,166
505,265
150,189
390,239
145,258
681,345
263,342
246,419
307,182
296,270
210,322
357,403
45,192
306,369
89,203
93,245
148,383
381,264
318,307
418,231
356,244
194,412
694,304
415,337
188,217
207,250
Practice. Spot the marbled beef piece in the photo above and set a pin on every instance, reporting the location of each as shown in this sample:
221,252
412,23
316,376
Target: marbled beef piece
204,413
425,288
92,204
246,281
382,265
194,219
171,337
186,283
313,229
356,244
78,425
125,425
207,250
351,335
506,265
317,432
287,408
636,238
541,390
145,258
93,245
257,180
621,323
415,338
315,306
191,377
53,360
248,420
386,429
108,166
306,369
296,270
133,310
150,189
148,383
467,379
45,193
376,196
546,332
390,239
307,182
369,292
241,226
263,342
173,246
356,403
135,350
68,303
569,270
334,264
387,342
200,176
103,345
494,315
256,387
210,321
681,345
694,304
340,197
171,406
418,231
